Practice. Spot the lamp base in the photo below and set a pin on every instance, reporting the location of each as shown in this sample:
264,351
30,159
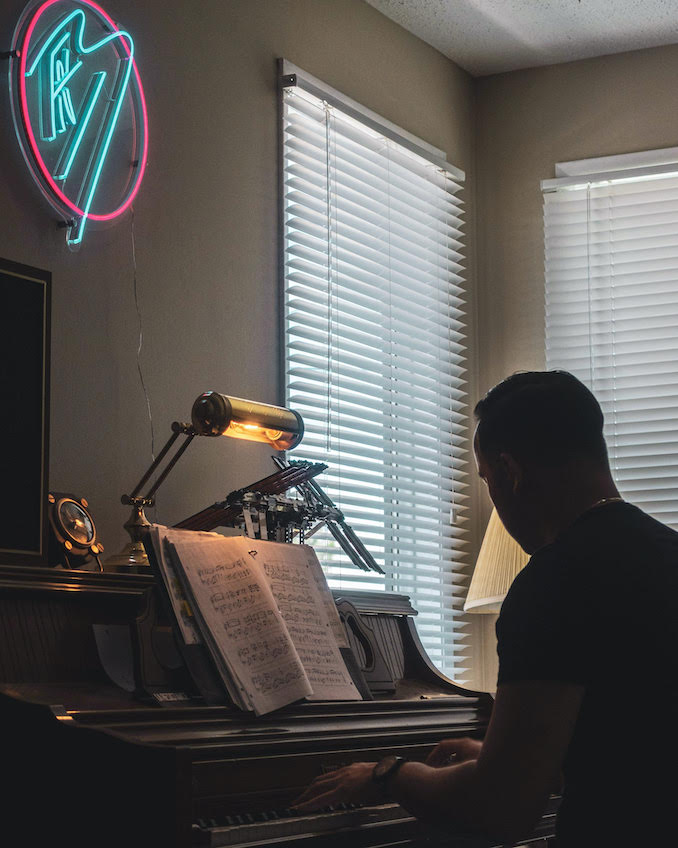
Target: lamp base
132,559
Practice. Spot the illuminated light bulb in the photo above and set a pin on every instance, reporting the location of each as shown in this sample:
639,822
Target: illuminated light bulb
214,414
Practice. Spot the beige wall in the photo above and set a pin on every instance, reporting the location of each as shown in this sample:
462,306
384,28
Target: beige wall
526,122
205,223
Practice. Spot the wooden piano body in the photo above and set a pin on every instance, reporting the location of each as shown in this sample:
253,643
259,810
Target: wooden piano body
94,763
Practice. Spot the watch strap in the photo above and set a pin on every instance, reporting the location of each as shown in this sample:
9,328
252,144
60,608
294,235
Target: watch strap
382,776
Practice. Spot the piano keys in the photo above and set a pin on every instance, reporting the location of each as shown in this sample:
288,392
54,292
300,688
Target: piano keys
378,825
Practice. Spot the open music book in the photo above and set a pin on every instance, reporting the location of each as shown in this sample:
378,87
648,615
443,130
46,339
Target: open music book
264,612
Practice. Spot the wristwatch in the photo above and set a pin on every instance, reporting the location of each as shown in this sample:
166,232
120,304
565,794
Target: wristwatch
384,770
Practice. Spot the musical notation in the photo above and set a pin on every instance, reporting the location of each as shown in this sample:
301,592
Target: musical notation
247,633
311,617
264,612
266,615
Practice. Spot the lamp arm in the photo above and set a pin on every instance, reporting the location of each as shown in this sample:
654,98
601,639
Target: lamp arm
170,465
177,430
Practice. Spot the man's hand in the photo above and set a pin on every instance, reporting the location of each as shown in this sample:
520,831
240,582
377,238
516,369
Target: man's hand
354,783
451,752
499,788
348,784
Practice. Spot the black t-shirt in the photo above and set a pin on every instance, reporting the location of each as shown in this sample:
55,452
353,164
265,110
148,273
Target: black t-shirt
599,607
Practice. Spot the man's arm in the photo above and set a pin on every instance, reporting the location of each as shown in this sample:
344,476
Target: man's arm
502,793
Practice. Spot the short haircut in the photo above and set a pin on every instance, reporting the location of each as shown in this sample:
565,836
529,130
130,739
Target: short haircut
549,417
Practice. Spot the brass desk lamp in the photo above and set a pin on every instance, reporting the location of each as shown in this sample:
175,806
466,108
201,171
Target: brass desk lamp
213,414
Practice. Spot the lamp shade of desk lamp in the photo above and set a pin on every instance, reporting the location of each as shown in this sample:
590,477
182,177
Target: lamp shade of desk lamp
499,561
214,414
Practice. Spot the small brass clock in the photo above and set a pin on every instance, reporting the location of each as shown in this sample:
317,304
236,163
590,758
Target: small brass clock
73,535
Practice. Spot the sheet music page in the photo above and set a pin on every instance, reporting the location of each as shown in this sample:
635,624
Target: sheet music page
307,606
241,620
158,534
326,595
161,538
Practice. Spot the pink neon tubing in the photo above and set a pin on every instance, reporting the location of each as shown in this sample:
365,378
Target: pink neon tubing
29,129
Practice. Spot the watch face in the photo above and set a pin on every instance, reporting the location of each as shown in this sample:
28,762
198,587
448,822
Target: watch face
75,522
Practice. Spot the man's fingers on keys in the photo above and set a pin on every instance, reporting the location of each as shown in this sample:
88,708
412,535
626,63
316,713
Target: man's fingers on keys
317,802
320,785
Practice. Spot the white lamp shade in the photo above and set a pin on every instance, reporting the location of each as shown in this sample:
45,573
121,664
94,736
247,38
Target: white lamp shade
499,560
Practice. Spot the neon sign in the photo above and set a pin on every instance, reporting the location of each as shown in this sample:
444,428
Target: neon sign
79,110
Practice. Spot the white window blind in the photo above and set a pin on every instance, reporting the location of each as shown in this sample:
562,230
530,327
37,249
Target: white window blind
374,355
612,315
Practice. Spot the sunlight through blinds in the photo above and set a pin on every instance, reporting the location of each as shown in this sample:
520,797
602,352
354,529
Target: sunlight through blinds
374,356
612,319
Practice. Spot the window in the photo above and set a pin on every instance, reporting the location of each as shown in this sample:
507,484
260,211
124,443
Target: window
612,310
374,348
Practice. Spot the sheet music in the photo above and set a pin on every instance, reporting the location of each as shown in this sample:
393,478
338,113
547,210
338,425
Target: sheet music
242,623
305,601
324,590
182,612
161,538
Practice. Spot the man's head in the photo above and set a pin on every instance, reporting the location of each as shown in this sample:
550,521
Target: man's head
537,431
545,417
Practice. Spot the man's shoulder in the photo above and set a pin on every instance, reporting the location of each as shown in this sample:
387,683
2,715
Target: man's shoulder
617,533
608,546
624,518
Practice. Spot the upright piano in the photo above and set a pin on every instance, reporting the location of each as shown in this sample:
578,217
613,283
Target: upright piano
106,743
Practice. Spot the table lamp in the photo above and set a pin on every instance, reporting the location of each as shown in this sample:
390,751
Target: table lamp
213,414
499,561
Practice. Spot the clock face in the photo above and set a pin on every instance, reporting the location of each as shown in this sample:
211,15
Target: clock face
76,522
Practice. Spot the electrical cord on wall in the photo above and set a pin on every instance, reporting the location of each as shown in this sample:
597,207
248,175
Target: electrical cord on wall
139,347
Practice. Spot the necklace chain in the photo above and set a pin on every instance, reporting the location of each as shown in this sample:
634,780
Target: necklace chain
604,501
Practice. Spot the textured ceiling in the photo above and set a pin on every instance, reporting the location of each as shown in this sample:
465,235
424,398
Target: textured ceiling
492,36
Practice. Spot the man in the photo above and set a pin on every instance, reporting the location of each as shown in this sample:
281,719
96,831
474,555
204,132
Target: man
587,642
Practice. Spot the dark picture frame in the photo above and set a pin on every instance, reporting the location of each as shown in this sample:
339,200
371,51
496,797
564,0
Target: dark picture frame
25,315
